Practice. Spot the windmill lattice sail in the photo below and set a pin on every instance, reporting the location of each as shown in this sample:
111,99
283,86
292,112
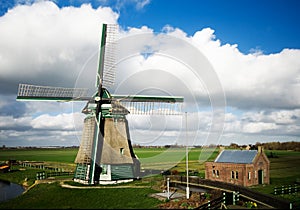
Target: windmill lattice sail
36,92
111,46
148,105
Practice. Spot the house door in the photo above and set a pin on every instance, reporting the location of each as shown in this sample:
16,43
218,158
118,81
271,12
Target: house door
260,176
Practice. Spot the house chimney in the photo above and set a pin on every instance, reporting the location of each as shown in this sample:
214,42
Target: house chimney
260,149
221,148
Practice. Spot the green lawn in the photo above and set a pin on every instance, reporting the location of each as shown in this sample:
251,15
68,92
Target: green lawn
284,170
53,196
66,155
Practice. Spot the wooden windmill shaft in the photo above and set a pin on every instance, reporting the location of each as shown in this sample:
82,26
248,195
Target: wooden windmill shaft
105,153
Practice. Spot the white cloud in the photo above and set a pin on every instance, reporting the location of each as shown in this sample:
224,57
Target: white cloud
258,127
253,80
140,4
286,116
273,123
120,5
8,122
47,45
57,122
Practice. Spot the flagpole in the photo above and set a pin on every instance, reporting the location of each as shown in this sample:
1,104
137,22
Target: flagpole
187,160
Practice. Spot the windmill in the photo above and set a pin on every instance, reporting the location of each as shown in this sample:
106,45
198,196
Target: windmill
105,153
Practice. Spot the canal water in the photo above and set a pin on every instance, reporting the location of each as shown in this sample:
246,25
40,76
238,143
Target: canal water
9,190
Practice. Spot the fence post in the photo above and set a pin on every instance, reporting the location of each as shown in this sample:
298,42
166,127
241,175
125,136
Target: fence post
43,175
208,205
233,198
168,187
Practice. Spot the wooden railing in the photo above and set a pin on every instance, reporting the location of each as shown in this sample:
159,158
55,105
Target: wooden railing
214,204
286,189
264,199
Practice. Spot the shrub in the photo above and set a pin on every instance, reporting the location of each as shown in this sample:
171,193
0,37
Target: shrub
250,205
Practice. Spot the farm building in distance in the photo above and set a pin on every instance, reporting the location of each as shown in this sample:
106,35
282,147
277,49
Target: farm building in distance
240,167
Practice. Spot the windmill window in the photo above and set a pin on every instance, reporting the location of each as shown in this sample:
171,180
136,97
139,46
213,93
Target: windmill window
122,151
236,175
232,174
218,173
115,122
104,169
213,173
249,175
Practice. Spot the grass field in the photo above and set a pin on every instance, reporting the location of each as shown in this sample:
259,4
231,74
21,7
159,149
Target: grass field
284,170
52,196
64,155
150,158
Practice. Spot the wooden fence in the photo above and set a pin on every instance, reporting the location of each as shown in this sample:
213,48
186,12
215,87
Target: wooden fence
262,198
286,189
43,175
216,203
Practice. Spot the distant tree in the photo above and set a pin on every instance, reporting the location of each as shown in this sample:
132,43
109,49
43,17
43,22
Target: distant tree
258,144
282,145
234,146
253,147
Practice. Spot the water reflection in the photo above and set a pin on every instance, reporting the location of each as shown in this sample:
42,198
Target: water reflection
9,190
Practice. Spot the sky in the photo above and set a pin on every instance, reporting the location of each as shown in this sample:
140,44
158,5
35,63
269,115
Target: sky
236,63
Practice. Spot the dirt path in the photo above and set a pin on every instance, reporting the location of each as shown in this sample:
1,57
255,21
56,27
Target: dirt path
62,184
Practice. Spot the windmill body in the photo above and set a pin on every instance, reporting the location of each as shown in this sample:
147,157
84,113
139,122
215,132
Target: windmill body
105,154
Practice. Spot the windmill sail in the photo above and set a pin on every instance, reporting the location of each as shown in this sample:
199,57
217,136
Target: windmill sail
105,152
35,92
149,105
109,68
107,56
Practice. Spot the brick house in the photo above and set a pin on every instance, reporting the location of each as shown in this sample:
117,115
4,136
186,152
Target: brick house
240,167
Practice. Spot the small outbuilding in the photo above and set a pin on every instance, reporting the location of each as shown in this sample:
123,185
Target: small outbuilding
240,167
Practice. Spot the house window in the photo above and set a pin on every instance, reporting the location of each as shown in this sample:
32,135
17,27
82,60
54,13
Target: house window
213,173
249,175
232,174
218,173
236,175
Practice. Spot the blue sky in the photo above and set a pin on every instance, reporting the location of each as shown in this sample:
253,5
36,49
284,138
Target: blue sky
266,25
252,46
